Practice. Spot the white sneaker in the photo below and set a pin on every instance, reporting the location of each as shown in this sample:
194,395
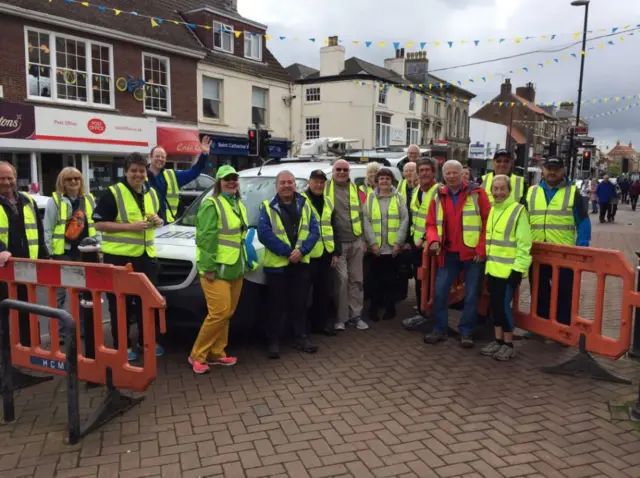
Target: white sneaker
339,326
361,324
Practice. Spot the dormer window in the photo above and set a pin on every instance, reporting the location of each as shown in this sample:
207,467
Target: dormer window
223,37
253,46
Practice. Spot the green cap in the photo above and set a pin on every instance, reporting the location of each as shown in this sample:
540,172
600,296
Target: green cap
225,171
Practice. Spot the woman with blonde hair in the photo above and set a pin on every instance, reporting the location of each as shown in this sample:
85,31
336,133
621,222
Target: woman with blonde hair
67,219
370,181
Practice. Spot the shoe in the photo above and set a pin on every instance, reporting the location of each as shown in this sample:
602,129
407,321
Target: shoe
417,322
131,356
359,324
273,352
223,361
305,344
374,315
416,309
199,367
434,338
467,342
490,349
159,350
389,314
329,331
505,354
340,327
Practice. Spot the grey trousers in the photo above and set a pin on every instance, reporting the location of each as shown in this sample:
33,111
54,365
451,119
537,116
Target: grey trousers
349,283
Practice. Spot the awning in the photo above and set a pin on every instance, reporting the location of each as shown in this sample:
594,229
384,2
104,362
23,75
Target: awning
179,140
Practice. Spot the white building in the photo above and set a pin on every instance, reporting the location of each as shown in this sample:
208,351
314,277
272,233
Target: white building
381,106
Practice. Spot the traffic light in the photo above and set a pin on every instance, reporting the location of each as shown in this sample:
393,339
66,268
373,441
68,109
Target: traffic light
253,142
586,160
265,141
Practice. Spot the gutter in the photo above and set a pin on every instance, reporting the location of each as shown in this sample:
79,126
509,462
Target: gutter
96,30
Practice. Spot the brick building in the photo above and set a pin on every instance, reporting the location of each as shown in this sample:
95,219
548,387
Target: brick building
625,157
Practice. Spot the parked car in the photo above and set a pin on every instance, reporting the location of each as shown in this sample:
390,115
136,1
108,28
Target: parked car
191,191
176,252
41,202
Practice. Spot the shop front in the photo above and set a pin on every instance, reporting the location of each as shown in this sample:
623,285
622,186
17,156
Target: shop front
234,150
94,142
181,143
17,135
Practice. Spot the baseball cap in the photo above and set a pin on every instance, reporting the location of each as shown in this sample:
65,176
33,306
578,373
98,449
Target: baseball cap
502,152
225,171
318,174
553,163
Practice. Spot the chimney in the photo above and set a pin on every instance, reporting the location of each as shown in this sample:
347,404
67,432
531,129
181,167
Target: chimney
396,64
417,68
231,5
505,88
631,145
332,58
528,92
567,106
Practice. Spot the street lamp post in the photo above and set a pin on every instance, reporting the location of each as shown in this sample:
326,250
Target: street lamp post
574,154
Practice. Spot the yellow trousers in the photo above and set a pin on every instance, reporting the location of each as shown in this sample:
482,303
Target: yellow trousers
222,299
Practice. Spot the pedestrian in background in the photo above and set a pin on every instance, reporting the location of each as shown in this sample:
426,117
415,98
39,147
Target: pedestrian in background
289,231
221,256
605,192
624,185
593,188
508,261
385,226
614,201
585,191
634,192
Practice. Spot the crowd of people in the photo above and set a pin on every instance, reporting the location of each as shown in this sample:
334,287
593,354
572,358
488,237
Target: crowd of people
318,244
605,195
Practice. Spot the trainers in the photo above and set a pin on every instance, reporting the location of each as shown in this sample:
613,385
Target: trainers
198,367
490,349
434,338
305,344
223,361
159,350
417,322
466,341
340,326
131,355
359,324
505,353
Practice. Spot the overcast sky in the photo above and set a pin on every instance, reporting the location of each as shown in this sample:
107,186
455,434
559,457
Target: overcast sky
609,72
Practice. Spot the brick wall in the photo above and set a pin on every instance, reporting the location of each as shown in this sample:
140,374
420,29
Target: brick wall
127,61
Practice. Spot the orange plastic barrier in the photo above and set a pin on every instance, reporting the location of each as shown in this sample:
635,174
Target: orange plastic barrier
95,279
427,274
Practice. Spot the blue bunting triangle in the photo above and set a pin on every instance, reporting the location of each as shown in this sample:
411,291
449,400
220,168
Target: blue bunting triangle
312,39
423,44
450,44
367,44
396,44
476,42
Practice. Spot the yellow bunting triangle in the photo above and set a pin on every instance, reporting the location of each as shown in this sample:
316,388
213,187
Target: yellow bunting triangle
518,40
582,52
490,40
500,103
153,23
544,37
207,27
601,46
437,44
576,35
117,12
237,34
268,37
175,22
84,4
355,42
381,44
410,44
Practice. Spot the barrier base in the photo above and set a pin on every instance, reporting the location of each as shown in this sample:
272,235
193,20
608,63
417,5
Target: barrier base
23,380
584,365
114,404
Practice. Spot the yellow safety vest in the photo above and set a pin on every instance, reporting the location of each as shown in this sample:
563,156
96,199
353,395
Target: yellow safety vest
326,241
29,211
402,188
354,205
517,186
274,261
419,211
232,231
393,218
131,243
471,219
553,222
366,189
87,204
173,194
501,241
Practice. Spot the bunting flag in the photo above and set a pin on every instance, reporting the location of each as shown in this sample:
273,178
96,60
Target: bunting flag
157,21
613,112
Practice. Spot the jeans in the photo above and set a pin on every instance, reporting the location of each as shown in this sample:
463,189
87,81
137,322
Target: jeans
473,275
634,202
288,295
594,207
605,211
565,293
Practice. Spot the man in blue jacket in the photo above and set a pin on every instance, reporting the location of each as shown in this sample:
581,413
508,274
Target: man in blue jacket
563,221
167,182
288,230
605,191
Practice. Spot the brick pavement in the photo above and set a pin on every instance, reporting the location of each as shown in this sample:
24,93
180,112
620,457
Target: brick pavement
374,403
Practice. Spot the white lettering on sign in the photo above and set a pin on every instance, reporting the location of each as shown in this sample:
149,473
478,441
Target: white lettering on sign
96,126
186,148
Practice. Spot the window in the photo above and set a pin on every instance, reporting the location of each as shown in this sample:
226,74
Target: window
382,95
211,98
465,125
438,105
425,106
312,95
413,132
383,130
157,89
412,101
259,105
312,128
68,69
253,46
223,37
456,130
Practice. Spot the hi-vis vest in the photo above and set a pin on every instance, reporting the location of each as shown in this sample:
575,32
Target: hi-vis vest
87,204
232,231
173,194
552,222
419,211
326,241
354,205
29,211
131,243
393,219
517,186
501,240
271,260
402,189
471,219
366,189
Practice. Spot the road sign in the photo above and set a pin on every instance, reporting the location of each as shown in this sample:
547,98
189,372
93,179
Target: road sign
579,129
584,140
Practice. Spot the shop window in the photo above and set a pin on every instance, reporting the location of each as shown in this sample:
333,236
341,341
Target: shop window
157,89
68,69
211,98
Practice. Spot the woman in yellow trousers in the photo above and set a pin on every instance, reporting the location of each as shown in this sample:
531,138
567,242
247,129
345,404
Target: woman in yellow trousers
221,229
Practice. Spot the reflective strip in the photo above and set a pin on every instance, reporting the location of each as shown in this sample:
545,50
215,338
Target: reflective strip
232,244
58,236
469,213
275,227
502,260
154,200
554,212
518,190
493,242
471,228
32,242
92,201
511,223
4,230
552,227
126,240
172,184
31,226
120,204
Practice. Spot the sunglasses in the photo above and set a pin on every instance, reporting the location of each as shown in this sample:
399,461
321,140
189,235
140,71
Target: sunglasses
71,180
342,170
231,177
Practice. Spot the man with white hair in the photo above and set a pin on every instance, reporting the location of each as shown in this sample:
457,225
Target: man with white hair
413,155
456,233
